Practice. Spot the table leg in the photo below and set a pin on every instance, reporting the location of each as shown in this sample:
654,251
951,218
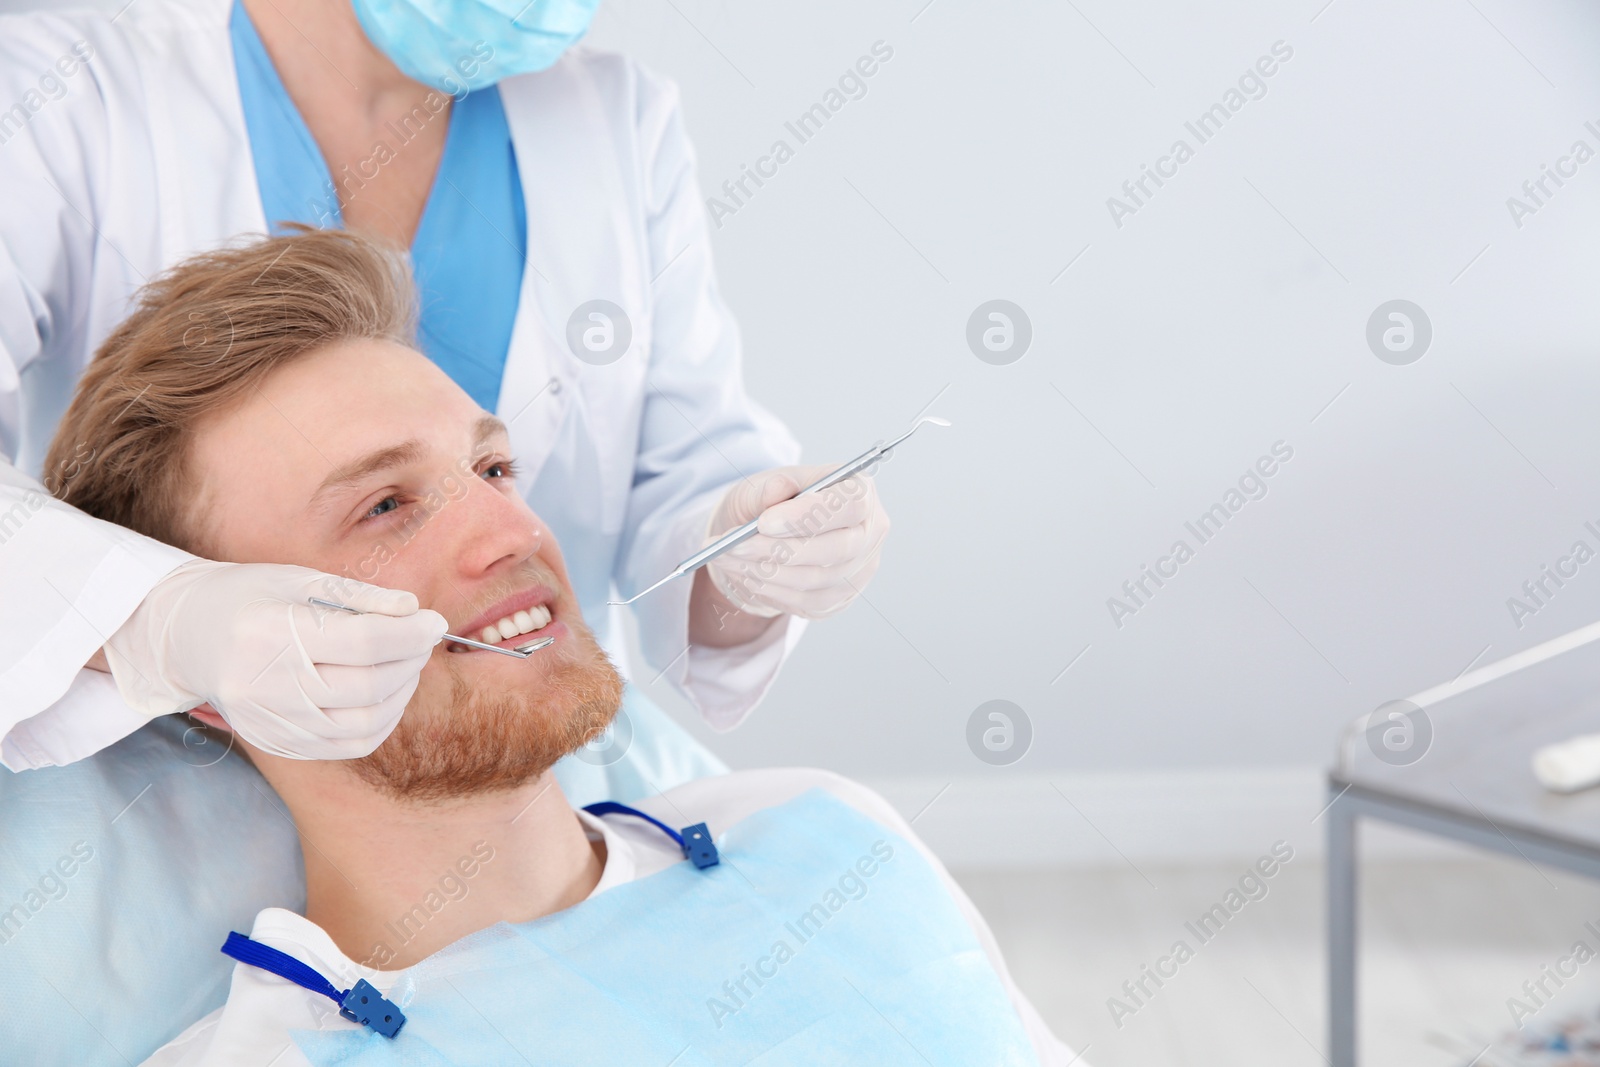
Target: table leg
1342,901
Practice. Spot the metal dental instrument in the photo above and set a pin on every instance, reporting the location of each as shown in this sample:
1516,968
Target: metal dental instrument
520,652
748,530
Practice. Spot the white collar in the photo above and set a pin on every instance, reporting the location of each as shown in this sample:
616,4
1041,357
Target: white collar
303,939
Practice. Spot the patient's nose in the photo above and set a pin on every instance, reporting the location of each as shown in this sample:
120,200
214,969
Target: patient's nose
494,529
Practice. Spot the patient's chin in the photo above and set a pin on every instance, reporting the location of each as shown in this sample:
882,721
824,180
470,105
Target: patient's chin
459,738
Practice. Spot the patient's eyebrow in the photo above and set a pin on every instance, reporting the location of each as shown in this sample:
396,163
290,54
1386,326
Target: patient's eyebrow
489,426
372,463
398,455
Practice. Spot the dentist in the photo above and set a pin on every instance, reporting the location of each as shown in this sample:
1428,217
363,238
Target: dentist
550,204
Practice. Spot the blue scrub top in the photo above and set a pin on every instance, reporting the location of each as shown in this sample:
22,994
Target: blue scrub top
471,244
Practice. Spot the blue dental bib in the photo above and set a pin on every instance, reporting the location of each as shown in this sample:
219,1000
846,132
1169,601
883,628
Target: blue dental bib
820,938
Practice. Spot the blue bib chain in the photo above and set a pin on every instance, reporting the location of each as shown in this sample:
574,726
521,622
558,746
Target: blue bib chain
363,1004
698,848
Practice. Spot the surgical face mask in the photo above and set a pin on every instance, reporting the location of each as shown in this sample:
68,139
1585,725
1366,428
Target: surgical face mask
457,46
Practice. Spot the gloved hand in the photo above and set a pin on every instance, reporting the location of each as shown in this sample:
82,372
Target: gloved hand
813,553
294,680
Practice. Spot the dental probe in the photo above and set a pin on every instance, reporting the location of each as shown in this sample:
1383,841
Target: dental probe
743,533
520,652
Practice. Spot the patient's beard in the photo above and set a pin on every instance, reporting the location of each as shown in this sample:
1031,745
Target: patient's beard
455,740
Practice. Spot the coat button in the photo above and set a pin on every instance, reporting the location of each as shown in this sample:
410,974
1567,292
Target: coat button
555,386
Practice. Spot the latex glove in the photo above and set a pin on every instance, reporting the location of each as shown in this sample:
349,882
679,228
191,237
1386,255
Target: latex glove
292,679
813,554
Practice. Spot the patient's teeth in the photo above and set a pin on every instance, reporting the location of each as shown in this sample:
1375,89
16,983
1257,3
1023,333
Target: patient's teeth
521,622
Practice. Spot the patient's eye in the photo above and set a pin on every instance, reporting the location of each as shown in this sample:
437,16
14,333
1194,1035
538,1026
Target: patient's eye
431,499
382,507
501,468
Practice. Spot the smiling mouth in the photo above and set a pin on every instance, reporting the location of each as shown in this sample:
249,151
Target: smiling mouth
518,631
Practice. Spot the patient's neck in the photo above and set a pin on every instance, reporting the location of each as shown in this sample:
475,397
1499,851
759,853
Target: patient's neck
392,882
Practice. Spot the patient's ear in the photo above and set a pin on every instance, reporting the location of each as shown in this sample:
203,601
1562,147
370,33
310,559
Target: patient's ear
208,717
213,727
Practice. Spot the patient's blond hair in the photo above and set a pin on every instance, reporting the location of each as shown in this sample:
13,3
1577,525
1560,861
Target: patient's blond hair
202,336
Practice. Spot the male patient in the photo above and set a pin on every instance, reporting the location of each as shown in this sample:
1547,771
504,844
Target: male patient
266,404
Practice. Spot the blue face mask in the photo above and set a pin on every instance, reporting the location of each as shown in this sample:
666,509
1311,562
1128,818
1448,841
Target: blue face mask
457,46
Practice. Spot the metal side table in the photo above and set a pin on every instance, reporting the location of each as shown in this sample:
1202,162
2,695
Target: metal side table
1456,761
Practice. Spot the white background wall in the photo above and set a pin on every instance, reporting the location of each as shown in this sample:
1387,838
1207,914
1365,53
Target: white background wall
1229,313
1226,315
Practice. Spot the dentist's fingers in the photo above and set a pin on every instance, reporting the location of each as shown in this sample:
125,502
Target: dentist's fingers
813,553
849,503
749,497
360,596
854,542
242,638
786,584
811,604
360,640
339,733
357,687
369,726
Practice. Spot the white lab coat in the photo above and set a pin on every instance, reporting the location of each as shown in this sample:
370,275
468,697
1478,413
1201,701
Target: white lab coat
115,167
